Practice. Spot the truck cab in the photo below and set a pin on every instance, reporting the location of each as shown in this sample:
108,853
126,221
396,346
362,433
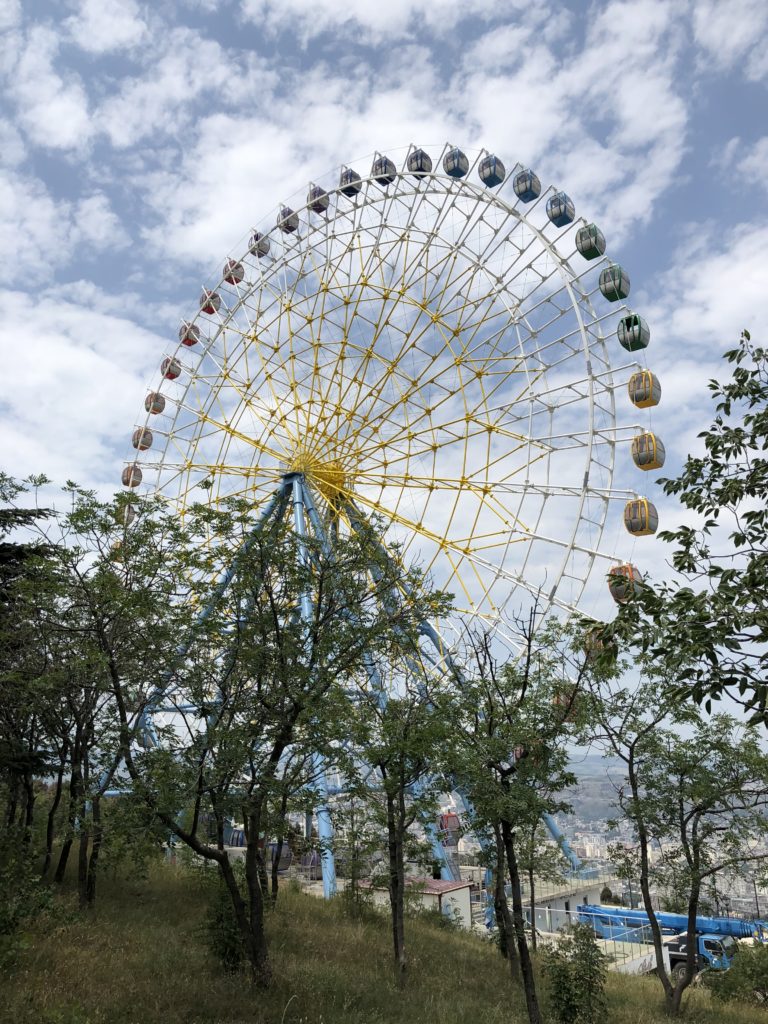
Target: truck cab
713,952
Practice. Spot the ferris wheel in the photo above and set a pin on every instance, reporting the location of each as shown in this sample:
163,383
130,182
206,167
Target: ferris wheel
428,347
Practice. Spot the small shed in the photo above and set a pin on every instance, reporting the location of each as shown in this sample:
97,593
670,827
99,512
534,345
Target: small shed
449,898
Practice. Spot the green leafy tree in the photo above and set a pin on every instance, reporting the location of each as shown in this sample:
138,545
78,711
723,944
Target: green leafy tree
398,734
575,971
511,722
711,629
271,685
700,796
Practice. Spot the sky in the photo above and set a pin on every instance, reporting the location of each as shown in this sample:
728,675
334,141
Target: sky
142,141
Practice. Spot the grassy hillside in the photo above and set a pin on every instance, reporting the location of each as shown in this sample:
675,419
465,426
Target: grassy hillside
141,957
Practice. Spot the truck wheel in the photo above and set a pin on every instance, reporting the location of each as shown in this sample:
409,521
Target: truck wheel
677,972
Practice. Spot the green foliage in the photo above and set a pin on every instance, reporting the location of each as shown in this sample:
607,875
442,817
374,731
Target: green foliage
606,896
575,970
710,630
747,979
222,934
23,897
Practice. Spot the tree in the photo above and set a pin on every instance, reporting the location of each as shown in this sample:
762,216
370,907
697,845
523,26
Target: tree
23,749
398,735
107,619
575,970
511,722
266,676
701,797
539,859
715,622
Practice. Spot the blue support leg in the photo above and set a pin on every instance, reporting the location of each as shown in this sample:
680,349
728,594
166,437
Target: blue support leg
324,824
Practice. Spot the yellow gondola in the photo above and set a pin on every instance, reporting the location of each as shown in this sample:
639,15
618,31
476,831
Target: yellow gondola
641,517
648,452
644,389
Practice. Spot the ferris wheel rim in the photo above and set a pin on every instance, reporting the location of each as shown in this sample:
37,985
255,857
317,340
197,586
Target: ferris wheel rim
435,184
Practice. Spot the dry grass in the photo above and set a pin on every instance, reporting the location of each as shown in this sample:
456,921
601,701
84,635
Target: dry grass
140,957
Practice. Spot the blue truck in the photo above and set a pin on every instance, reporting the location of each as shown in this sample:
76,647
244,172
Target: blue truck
716,937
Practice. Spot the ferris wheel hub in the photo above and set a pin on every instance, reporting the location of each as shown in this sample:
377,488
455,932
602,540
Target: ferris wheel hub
327,475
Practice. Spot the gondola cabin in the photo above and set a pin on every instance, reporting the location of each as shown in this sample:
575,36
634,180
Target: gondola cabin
560,209
349,182
317,199
527,186
448,827
210,302
154,403
596,646
131,476
142,439
383,171
648,452
641,518
644,389
590,241
492,171
233,272
288,220
614,283
189,334
455,163
565,703
258,245
623,582
633,332
170,368
419,163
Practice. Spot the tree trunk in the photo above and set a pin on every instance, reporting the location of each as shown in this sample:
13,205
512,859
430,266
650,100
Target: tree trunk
279,841
526,966
93,861
12,802
645,883
276,869
255,946
261,969
51,824
674,1003
84,841
74,799
532,903
504,923
29,805
396,888
82,859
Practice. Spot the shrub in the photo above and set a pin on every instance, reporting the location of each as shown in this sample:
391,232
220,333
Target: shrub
22,898
746,980
575,971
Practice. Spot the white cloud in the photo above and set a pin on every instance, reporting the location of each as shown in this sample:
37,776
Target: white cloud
73,382
367,21
732,34
186,70
39,233
13,150
103,26
10,14
606,122
95,225
754,164
52,110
